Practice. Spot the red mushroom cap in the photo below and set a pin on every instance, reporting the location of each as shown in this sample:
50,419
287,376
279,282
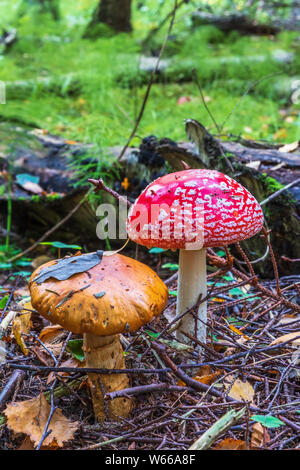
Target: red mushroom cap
192,209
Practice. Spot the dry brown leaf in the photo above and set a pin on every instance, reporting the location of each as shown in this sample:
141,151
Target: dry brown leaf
30,417
50,333
230,444
204,375
259,437
72,362
39,260
287,337
239,390
44,356
289,147
288,318
22,292
27,444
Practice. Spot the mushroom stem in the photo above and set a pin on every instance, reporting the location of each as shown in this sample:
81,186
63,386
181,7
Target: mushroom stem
106,352
192,283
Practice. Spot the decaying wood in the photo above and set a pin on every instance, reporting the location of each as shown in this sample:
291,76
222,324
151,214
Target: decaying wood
241,23
222,425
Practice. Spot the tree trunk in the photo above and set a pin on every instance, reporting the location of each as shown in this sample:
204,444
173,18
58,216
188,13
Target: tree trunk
113,13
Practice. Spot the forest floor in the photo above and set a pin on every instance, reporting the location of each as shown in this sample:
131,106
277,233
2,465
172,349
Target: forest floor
250,363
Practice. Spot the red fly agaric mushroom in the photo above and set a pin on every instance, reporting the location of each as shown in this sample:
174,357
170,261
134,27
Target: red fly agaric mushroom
115,296
192,210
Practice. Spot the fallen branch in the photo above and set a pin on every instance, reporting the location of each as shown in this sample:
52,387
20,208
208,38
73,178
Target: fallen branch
218,428
16,378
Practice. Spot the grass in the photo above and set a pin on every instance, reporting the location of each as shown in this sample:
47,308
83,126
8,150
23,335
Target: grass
112,88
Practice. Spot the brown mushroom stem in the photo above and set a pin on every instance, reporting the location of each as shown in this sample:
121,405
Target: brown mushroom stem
192,283
106,352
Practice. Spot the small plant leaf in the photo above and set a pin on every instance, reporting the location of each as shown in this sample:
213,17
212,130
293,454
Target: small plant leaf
155,251
3,301
62,245
171,266
268,421
75,346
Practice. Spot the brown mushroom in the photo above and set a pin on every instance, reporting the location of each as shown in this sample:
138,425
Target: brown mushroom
117,295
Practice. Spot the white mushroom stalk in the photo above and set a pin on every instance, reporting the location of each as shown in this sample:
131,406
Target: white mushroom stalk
191,289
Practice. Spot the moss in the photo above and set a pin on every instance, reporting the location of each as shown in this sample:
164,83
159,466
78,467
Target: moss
111,87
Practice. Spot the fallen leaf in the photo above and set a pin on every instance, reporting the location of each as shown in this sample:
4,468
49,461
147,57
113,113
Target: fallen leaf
125,183
30,417
289,147
32,187
254,164
27,444
44,356
17,330
288,318
288,337
72,362
238,332
280,134
39,260
230,444
183,100
239,390
204,375
50,333
259,437
290,119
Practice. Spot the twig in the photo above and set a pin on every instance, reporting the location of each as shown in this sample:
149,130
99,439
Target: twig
194,73
159,387
140,115
280,191
100,186
53,408
15,379
9,300
49,232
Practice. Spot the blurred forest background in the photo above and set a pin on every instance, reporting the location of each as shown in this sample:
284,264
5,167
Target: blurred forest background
81,80
76,74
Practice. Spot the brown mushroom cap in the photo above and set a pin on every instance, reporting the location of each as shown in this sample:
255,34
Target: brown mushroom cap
117,295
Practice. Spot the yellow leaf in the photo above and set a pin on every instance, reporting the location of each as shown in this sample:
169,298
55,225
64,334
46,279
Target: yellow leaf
30,417
239,390
17,330
280,134
238,332
125,183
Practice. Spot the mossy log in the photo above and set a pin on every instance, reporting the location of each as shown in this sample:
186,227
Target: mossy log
46,156
62,85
